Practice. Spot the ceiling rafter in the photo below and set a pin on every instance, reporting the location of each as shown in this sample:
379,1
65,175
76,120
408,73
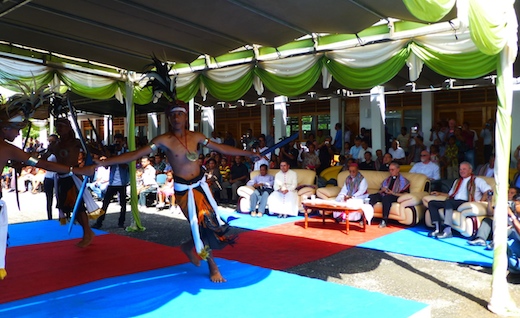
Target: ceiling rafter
377,14
269,17
112,28
179,20
61,37
14,7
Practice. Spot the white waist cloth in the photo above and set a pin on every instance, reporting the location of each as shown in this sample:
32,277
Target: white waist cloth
3,233
192,209
280,203
90,204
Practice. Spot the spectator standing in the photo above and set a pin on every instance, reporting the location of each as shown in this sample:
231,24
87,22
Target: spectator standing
325,154
215,137
470,139
260,147
356,149
403,139
289,154
487,139
338,138
119,178
310,159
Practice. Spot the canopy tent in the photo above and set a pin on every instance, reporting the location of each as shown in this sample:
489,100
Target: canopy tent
198,38
336,44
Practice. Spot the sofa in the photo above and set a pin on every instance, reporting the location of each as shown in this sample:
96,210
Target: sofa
467,218
306,187
408,209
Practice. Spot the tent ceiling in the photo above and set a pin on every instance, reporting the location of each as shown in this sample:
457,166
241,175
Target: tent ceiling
126,33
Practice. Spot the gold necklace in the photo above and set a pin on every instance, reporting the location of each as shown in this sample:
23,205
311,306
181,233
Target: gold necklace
192,156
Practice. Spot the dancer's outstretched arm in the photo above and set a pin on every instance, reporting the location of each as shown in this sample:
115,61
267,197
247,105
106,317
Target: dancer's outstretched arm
127,156
16,154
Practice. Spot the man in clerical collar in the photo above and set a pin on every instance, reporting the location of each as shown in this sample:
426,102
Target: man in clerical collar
392,187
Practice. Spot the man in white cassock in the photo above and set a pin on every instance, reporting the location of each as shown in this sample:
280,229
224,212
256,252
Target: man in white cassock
284,199
353,192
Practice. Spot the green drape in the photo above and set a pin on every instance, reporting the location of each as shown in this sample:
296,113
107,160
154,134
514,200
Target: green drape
291,85
94,92
229,91
429,10
488,30
464,65
365,78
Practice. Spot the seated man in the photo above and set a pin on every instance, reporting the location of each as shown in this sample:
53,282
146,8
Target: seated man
485,229
513,251
100,184
392,187
427,167
488,169
355,187
284,200
397,152
263,184
149,182
387,160
238,176
367,164
466,188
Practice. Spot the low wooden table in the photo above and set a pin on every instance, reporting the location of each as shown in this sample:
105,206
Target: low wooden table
330,206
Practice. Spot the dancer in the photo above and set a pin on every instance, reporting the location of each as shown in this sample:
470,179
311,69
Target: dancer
67,151
10,124
191,190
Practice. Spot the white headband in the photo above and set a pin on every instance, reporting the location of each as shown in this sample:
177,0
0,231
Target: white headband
178,109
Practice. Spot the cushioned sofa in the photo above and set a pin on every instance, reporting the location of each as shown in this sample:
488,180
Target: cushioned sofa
408,209
306,187
467,218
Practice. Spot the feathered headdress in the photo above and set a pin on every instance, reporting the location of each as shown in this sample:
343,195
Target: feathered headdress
21,106
160,81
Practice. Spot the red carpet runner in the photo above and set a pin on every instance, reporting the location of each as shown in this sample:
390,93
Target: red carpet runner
287,245
41,268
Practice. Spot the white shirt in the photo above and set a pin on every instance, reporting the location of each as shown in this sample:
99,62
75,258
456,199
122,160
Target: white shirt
216,140
481,186
361,154
50,174
486,136
262,160
430,169
397,153
149,176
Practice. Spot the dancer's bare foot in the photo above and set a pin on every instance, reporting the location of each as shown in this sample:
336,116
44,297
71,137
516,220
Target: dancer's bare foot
214,272
217,277
190,252
87,239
